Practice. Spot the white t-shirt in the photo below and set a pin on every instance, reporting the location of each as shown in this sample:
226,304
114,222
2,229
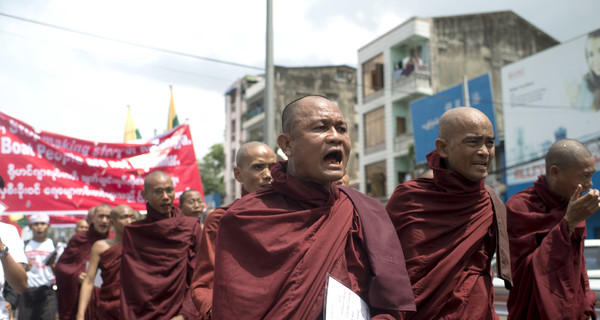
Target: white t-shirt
10,238
40,274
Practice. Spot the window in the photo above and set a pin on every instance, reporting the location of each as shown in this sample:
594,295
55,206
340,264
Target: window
376,179
375,130
373,76
400,126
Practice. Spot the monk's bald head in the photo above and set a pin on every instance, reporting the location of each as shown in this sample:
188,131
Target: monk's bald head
466,142
290,111
566,154
157,174
569,164
253,161
458,120
245,152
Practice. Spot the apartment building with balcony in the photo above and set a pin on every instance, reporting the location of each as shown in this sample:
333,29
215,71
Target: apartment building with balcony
418,58
245,114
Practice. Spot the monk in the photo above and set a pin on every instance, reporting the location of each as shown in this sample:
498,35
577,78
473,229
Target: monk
82,225
158,257
191,203
450,225
547,232
106,255
252,171
71,266
277,246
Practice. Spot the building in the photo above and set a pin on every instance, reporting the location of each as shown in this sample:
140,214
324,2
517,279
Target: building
418,58
245,116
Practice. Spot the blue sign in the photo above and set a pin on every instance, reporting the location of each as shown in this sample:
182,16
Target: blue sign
426,112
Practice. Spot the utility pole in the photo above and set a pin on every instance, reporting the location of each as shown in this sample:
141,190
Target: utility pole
269,82
466,97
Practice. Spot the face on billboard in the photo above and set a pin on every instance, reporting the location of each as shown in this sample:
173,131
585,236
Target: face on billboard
593,55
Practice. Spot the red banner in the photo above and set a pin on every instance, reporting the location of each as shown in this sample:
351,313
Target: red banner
48,172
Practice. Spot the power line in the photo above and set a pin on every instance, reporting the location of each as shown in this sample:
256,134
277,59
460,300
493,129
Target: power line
183,54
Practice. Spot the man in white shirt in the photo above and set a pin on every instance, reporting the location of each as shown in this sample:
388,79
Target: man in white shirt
39,301
13,263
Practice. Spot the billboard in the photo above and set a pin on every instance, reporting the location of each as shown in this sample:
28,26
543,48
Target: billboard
48,172
549,96
426,112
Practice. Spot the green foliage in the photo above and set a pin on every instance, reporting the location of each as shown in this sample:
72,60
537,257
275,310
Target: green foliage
211,168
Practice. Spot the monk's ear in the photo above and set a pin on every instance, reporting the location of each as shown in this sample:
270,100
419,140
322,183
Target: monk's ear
144,195
285,143
441,146
554,171
237,173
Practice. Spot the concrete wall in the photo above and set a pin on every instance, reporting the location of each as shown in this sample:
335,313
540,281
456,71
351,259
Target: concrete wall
472,45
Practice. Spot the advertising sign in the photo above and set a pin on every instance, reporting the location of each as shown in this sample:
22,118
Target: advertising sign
48,172
549,96
426,112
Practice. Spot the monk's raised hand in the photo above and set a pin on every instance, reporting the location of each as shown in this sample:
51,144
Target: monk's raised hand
580,208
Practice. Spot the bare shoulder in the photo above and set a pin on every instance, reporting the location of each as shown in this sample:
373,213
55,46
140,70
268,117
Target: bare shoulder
100,246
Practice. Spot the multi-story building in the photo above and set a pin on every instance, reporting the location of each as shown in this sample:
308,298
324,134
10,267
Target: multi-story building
245,116
418,58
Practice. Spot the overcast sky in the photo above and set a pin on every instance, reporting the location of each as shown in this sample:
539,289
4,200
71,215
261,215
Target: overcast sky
80,86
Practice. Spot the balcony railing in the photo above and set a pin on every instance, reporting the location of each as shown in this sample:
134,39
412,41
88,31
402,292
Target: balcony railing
418,80
251,113
402,142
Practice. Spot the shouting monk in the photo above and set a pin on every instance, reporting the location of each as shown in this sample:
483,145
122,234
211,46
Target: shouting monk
252,170
158,257
450,225
276,246
106,256
547,232
70,268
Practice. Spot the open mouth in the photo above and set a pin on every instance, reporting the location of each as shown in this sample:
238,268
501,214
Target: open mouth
481,164
334,157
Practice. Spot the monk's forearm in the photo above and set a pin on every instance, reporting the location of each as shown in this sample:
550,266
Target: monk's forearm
85,294
14,273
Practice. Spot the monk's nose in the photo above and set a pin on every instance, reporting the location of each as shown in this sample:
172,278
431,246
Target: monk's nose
334,136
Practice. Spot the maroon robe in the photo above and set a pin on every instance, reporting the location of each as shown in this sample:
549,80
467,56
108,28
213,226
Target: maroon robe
548,265
202,281
110,292
449,231
157,265
276,247
71,263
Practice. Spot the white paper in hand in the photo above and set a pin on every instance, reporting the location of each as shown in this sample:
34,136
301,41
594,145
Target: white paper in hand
341,303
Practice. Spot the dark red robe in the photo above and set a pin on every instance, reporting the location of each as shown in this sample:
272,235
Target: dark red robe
449,231
548,265
110,292
276,246
202,281
71,263
157,265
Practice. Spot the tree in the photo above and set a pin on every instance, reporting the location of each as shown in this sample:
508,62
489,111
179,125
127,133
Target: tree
211,168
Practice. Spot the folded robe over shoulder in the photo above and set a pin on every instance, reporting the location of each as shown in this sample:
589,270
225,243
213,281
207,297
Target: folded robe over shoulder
157,265
548,265
449,228
110,292
72,263
276,246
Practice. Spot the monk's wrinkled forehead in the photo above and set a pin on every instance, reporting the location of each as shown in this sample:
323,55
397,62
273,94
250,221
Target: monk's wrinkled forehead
308,109
460,120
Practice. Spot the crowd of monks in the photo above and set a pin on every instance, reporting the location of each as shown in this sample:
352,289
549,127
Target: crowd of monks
268,255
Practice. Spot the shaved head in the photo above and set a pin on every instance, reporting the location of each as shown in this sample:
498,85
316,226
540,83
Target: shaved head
153,174
289,112
566,154
243,154
122,209
466,142
456,120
